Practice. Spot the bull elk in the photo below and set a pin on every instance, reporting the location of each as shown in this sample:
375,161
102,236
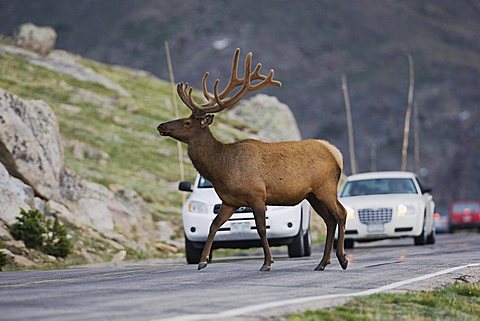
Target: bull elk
254,173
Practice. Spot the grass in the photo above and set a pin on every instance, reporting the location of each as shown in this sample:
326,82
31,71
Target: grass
457,302
123,127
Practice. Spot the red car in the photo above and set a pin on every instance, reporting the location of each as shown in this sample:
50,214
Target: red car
464,214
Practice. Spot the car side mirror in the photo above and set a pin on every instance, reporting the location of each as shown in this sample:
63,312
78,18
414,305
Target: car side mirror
185,186
426,190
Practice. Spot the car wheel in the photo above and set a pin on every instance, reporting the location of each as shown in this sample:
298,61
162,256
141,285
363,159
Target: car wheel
348,243
422,238
307,244
191,252
432,236
296,248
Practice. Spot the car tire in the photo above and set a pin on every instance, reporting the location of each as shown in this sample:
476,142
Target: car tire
348,244
432,236
422,238
307,243
296,248
192,254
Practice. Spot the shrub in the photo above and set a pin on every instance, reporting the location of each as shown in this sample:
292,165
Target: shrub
42,234
30,228
57,242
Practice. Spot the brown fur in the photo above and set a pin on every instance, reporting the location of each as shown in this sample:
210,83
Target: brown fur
254,173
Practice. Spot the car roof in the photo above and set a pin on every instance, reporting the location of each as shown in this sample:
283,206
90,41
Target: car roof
375,175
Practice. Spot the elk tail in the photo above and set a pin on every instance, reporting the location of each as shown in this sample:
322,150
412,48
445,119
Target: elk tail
334,151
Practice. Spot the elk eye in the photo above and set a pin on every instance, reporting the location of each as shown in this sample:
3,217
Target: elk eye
187,123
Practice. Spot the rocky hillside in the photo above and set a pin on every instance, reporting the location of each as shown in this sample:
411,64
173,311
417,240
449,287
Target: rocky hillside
310,43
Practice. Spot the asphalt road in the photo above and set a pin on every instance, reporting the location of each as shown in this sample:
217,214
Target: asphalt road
229,287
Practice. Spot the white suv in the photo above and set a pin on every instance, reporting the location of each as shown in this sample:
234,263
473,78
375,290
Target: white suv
383,205
286,225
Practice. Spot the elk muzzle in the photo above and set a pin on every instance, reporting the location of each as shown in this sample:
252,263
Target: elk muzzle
163,129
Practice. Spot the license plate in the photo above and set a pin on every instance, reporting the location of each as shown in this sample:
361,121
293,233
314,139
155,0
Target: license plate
239,227
375,228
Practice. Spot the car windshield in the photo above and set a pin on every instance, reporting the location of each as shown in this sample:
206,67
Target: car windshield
379,186
204,183
460,207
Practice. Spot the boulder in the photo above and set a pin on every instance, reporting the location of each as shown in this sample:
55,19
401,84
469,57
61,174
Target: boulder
17,247
63,214
72,187
120,256
23,261
121,210
4,231
30,144
275,119
14,195
39,39
96,213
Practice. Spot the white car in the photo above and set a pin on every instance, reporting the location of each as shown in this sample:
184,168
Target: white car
286,225
383,205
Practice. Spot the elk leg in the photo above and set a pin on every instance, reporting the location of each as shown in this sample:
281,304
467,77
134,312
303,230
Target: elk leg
223,215
337,210
341,219
260,222
331,224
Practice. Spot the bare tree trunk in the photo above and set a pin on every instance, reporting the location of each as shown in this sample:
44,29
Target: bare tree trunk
176,113
416,139
351,143
408,114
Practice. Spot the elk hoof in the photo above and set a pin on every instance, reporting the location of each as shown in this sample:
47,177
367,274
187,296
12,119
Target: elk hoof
319,267
343,262
202,265
265,268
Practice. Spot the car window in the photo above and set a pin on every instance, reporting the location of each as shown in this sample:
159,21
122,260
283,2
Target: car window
204,183
460,207
379,186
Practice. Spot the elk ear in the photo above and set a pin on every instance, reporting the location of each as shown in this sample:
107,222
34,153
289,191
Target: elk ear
206,121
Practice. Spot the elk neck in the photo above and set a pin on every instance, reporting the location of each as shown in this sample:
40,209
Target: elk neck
206,153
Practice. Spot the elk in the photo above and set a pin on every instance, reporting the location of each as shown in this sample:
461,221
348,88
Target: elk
254,173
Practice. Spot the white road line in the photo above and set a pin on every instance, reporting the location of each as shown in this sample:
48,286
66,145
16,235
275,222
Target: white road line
264,306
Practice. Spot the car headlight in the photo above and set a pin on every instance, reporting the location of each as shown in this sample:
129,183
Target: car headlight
350,213
403,210
197,207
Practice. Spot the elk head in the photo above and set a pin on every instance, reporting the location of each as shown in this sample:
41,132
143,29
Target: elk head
184,128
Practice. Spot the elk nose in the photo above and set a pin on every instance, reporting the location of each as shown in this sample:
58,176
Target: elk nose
162,129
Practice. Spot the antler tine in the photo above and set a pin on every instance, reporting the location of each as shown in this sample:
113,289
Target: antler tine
268,80
206,94
234,81
181,88
256,73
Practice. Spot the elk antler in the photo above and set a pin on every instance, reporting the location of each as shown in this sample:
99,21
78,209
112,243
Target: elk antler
220,101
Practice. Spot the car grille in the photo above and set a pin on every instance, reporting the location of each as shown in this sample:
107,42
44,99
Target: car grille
378,215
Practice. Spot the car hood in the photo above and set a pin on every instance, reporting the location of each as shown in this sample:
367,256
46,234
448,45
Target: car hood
210,197
384,200
205,195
